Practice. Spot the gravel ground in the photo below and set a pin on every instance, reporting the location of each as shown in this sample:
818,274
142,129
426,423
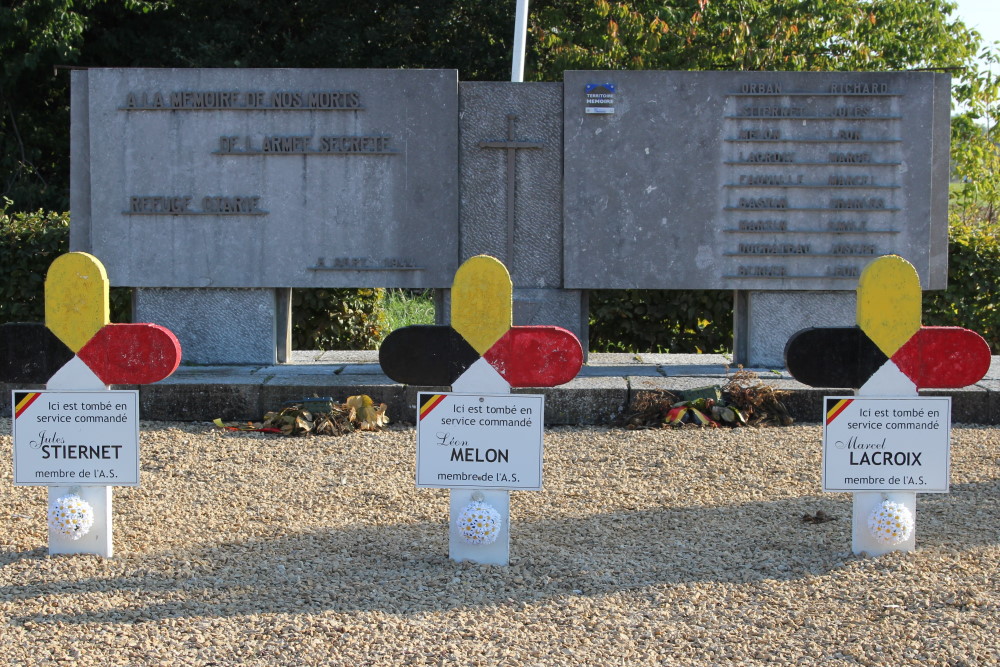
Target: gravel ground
674,547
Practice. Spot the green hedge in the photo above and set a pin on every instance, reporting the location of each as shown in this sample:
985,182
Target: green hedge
971,300
28,244
620,320
337,319
661,321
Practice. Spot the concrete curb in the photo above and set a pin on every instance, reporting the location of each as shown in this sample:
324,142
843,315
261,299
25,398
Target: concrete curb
607,388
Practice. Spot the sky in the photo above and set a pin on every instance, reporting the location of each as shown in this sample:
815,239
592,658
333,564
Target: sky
983,15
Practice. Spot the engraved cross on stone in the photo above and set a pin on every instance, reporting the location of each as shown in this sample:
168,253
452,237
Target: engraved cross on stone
510,145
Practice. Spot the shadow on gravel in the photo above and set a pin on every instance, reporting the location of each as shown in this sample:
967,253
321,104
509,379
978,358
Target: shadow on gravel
11,557
404,569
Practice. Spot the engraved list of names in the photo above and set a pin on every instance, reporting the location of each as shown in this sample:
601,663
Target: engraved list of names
755,180
811,178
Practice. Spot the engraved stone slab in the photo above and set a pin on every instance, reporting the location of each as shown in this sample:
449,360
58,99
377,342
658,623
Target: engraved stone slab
511,185
753,180
267,178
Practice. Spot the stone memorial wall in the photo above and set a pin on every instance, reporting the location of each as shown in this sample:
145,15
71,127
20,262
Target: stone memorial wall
214,192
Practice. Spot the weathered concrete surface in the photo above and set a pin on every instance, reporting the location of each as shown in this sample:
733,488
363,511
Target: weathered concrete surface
277,391
584,400
194,393
992,386
970,405
766,320
497,120
215,326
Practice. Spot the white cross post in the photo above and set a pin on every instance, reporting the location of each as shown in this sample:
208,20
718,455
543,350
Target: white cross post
94,354
887,382
76,376
900,443
481,378
481,354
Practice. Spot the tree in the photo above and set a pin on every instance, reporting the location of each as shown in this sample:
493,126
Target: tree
34,36
975,144
470,35
473,36
749,35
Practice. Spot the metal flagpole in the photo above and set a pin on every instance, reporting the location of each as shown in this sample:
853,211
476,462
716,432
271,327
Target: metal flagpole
520,37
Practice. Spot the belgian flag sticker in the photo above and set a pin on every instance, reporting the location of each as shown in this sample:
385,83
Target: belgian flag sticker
834,406
430,404
23,400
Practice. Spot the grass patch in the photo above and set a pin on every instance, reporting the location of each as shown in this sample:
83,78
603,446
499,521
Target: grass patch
404,307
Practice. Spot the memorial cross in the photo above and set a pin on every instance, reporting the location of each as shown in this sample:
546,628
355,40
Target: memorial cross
481,352
77,348
511,145
888,354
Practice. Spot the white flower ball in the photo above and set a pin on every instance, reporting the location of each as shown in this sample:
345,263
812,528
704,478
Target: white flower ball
891,523
71,516
479,523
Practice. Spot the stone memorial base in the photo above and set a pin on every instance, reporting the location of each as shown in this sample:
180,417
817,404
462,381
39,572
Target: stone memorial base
253,326
764,321
221,326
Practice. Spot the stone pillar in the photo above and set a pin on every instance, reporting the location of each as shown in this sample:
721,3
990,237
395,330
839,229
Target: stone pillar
511,152
221,326
764,321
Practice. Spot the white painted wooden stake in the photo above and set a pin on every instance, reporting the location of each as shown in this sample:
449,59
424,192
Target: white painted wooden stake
75,375
480,378
887,382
